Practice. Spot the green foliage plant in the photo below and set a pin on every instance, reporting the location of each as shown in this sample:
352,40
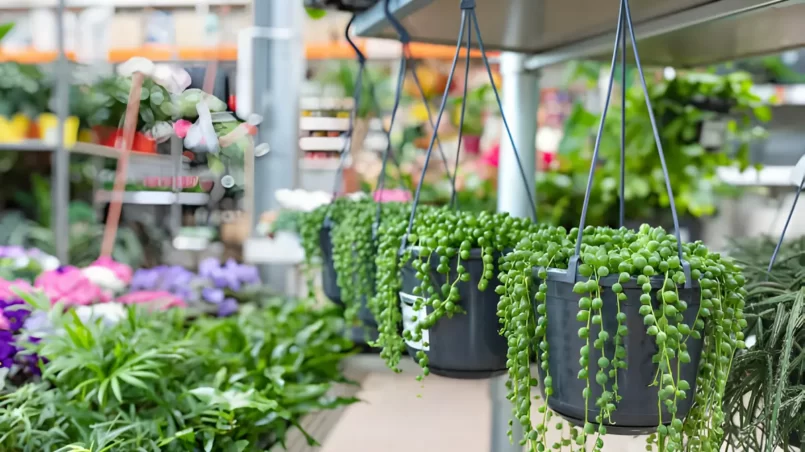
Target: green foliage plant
448,237
635,256
156,381
681,105
765,398
108,98
354,250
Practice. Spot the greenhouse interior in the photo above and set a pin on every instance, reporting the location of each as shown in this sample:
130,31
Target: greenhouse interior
264,225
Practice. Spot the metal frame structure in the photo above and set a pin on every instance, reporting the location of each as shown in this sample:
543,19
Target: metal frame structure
546,32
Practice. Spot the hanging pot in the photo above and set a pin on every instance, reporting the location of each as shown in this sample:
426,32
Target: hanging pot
637,412
467,345
329,278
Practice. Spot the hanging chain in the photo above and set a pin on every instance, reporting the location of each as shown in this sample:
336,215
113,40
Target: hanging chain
625,21
469,21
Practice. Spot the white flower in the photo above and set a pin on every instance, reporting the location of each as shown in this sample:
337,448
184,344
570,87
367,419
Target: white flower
302,200
109,313
104,278
174,79
49,262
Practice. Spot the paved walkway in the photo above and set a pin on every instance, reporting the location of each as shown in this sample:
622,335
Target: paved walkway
399,414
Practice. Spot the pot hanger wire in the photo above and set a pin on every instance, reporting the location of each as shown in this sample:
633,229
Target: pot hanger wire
624,25
469,22
407,59
356,97
785,228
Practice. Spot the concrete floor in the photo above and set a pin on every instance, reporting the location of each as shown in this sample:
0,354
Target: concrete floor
399,414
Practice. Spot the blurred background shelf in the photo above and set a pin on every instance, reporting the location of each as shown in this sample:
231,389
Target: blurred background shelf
155,198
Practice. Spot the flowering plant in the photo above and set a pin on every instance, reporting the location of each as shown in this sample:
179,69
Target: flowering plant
215,284
18,262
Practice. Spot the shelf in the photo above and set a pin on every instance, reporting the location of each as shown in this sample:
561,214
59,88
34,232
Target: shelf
322,144
155,198
95,150
374,49
768,176
284,249
344,104
682,33
328,165
781,94
27,146
29,4
310,123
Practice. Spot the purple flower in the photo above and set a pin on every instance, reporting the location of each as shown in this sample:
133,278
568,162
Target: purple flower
212,295
209,267
12,252
228,307
15,312
144,279
7,349
246,274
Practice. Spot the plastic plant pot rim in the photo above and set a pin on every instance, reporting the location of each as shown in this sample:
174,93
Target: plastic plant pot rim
475,253
560,275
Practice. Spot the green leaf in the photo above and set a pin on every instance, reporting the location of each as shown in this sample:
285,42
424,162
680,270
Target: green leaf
5,28
315,13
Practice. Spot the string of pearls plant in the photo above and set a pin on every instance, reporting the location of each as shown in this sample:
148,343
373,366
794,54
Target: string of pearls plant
310,227
354,250
636,257
445,239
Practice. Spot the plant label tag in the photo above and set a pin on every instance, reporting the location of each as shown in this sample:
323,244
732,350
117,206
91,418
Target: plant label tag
714,133
410,318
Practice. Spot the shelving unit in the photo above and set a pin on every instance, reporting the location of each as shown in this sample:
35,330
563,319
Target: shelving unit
155,198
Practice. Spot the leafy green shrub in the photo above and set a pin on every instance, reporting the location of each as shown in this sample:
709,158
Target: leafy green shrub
765,398
155,382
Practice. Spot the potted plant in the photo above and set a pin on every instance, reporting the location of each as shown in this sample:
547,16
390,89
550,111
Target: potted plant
624,299
354,249
315,232
109,98
474,117
435,281
767,382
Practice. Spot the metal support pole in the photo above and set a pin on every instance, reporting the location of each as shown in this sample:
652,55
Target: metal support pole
278,67
520,103
60,161
501,415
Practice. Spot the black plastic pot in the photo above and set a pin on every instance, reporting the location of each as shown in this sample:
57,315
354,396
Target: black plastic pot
637,412
329,278
466,345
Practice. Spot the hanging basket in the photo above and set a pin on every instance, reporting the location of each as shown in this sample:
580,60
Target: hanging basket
467,345
637,412
329,278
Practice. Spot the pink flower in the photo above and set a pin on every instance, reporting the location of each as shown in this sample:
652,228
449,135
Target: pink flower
160,299
4,325
492,157
122,271
69,286
392,195
181,127
5,288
